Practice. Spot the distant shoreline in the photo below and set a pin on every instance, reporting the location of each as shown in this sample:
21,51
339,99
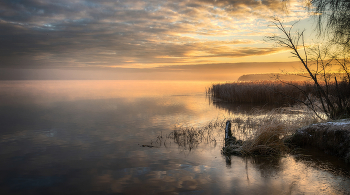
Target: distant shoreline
279,76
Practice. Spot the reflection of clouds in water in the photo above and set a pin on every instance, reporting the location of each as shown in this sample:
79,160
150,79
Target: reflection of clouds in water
86,121
51,132
277,176
268,166
93,142
91,128
185,178
310,180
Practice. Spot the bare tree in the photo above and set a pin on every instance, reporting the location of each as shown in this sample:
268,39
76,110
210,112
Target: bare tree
333,17
318,65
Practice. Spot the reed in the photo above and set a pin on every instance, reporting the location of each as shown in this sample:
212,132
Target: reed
260,133
274,92
268,140
189,138
265,133
335,103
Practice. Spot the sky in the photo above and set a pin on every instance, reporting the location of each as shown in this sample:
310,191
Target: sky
144,39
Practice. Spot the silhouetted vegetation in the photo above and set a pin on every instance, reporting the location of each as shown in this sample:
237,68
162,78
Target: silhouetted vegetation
333,19
271,77
264,133
286,93
260,133
331,92
274,92
189,138
281,76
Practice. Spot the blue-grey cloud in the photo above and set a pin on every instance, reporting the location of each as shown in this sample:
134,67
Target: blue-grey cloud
52,33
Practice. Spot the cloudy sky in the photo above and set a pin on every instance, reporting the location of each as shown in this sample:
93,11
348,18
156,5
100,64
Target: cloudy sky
142,39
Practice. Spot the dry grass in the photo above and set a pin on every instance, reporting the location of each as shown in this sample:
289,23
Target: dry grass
265,133
261,133
274,92
189,138
285,94
268,140
292,118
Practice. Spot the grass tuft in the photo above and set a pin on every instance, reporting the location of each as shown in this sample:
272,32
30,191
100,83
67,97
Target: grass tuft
268,140
265,134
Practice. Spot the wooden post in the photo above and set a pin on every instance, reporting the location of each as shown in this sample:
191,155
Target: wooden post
228,132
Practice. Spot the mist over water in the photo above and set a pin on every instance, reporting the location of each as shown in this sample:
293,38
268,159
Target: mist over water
85,137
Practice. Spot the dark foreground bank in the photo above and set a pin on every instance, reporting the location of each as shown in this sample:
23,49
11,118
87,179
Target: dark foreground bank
331,137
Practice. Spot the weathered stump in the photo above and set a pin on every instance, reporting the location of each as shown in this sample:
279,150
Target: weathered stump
228,133
232,145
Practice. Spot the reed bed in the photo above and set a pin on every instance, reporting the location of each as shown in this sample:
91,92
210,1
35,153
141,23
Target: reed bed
274,92
189,138
261,133
333,99
264,134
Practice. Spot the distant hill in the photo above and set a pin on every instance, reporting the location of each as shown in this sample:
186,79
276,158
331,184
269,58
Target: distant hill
285,77
271,77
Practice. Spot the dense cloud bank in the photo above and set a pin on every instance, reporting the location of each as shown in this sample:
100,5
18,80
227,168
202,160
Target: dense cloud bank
36,33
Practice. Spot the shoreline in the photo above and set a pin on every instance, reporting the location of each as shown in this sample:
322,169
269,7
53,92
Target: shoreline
330,137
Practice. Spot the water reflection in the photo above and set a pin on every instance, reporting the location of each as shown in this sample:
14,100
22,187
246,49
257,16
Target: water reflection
236,108
252,109
317,159
85,137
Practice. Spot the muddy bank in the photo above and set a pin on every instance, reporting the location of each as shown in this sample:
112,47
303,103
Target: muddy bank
331,137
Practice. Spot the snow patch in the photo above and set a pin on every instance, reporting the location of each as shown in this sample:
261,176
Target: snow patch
340,123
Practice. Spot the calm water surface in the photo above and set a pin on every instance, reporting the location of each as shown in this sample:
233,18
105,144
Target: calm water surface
85,137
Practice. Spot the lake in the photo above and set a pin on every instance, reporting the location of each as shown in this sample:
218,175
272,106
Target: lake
86,137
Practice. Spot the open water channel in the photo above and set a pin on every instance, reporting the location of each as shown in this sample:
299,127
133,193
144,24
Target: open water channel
86,137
